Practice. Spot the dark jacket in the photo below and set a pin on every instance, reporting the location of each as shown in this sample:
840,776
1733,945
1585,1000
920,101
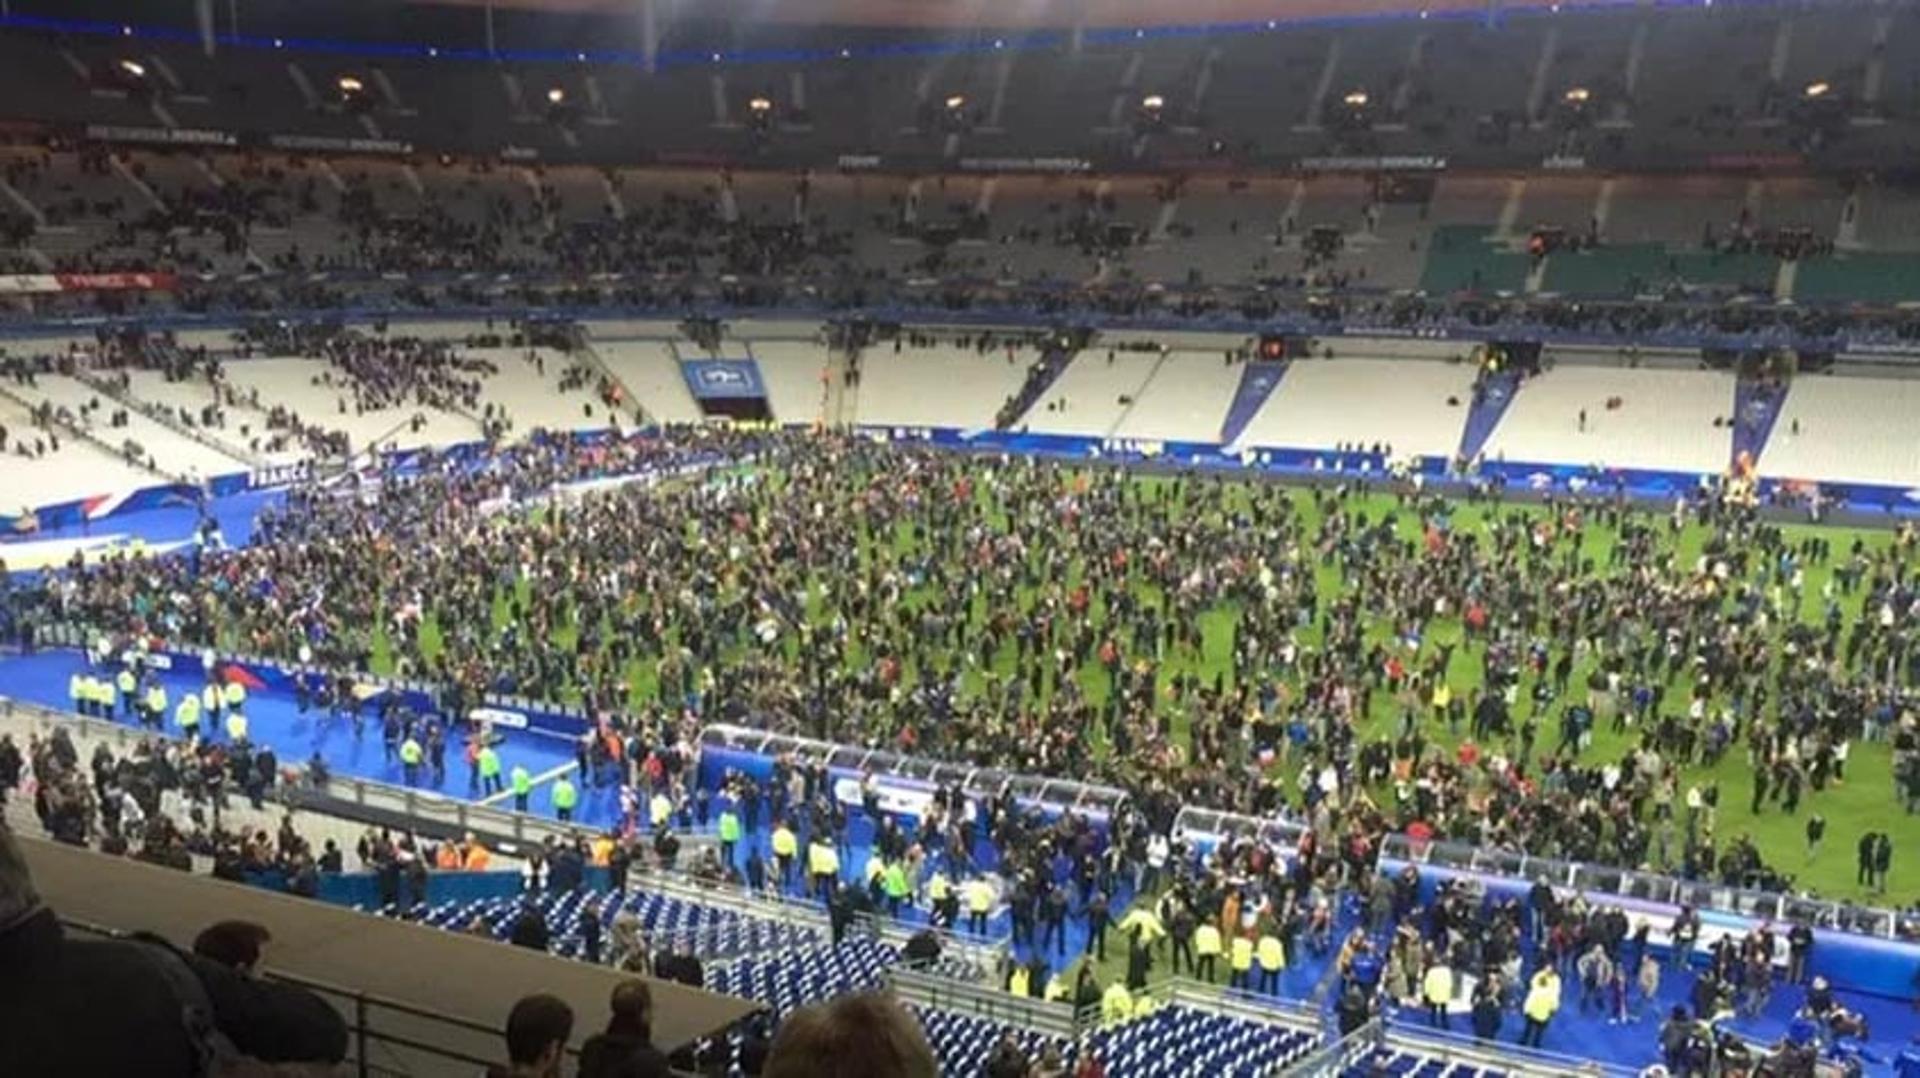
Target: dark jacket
621,1053
85,1006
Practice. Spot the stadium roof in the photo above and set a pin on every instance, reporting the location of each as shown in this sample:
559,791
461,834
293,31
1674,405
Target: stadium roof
1009,13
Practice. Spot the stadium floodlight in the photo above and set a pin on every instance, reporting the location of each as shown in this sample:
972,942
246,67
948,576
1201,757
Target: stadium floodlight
956,102
760,106
351,84
1579,95
1357,99
133,69
556,96
1818,89
1153,102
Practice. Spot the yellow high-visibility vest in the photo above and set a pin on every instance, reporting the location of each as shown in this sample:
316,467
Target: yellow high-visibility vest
1272,955
1206,940
1242,954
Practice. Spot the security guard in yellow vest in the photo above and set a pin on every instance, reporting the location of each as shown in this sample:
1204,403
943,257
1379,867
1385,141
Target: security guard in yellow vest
236,727
1019,981
126,683
410,756
187,714
660,811
236,695
1116,1003
1242,957
786,846
823,865
77,692
156,705
1057,988
1273,960
109,699
1143,924
946,904
979,904
1206,950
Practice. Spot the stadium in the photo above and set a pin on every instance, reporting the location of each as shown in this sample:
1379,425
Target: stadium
616,537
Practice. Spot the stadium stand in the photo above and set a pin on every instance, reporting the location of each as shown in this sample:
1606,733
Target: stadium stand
796,375
1186,399
651,371
317,322
1353,401
1660,420
1847,428
893,385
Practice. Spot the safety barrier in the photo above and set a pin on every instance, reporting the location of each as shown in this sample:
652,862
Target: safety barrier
1671,890
987,958
1332,1060
1050,1017
363,800
1460,1051
385,1036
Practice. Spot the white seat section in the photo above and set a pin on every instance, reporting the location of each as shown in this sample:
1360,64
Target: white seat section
792,371
943,386
292,382
651,373
533,399
1399,402
244,426
1085,399
1851,430
174,454
79,469
1665,420
1186,401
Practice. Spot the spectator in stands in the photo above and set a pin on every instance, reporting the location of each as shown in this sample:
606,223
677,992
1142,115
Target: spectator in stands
530,929
625,1049
236,945
538,1029
858,1036
84,1007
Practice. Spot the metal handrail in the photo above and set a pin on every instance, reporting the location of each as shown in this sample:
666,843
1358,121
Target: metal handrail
1653,887
1333,1059
1051,1017
363,1006
368,800
986,956
1509,1058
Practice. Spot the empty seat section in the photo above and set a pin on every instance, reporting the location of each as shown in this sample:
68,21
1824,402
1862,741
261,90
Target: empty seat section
1663,420
1400,403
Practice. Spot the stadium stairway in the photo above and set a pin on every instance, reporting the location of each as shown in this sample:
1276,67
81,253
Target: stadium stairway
1756,408
165,417
1258,380
1040,377
1490,403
